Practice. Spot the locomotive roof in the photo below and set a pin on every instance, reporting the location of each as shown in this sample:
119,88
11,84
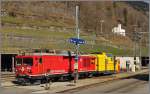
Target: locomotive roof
47,54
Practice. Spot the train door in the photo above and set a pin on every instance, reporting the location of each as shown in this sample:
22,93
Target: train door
88,65
116,65
110,64
66,66
106,65
85,64
40,65
101,63
71,61
96,62
92,63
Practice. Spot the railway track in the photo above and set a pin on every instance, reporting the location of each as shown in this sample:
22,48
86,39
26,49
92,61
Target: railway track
96,84
15,85
108,79
97,78
7,77
125,86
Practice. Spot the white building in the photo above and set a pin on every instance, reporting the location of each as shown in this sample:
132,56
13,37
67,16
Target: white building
118,30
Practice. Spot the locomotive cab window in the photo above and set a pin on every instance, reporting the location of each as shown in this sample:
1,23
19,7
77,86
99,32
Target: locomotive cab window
28,61
18,61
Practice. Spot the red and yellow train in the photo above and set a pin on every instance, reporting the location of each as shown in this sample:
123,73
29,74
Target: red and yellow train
32,68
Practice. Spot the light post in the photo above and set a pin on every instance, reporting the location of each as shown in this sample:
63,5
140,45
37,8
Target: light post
0,57
137,38
101,21
77,46
77,41
94,40
140,44
134,39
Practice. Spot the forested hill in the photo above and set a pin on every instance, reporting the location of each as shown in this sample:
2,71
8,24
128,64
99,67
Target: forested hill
139,5
52,17
62,13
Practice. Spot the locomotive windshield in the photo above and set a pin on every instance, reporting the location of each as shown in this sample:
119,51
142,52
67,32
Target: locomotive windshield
19,61
26,61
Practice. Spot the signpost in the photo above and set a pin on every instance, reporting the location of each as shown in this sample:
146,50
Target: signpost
77,41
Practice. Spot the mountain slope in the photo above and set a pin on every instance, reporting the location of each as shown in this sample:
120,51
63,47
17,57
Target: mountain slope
59,17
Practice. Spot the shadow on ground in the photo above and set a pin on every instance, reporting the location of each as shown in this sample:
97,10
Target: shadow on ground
143,77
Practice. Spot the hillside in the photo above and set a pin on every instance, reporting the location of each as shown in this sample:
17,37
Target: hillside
139,5
44,24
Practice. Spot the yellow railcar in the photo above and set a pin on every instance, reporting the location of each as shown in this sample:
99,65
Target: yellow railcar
105,63
110,63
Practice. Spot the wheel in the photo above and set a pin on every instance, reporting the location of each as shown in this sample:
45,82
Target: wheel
55,79
37,82
25,82
62,78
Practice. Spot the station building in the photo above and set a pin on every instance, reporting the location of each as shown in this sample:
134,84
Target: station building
8,62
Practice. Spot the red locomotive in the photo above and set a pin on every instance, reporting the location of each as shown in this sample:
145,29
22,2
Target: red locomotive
33,68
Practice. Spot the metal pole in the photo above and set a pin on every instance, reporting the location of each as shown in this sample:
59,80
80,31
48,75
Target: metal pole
134,39
101,27
140,57
0,68
0,49
139,36
141,48
101,21
13,64
77,46
77,22
94,40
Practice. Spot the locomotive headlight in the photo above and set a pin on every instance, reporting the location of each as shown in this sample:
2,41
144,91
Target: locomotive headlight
22,69
16,70
29,69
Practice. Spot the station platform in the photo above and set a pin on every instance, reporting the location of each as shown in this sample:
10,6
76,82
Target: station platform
62,86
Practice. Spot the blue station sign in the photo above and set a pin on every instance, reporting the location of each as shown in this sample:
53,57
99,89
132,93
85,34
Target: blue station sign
76,41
